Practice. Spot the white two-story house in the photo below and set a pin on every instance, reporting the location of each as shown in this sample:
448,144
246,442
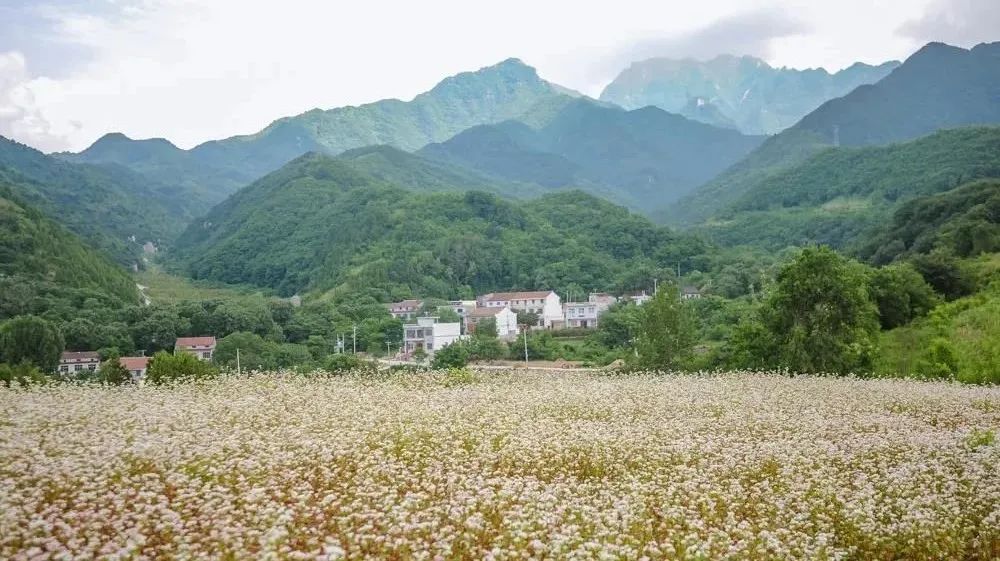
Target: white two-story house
429,335
587,314
546,304
505,319
201,347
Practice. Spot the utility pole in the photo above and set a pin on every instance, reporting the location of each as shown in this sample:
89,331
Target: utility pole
354,338
526,345
654,286
237,361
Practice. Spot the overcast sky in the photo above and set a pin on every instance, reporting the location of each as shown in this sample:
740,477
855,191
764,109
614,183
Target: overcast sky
195,70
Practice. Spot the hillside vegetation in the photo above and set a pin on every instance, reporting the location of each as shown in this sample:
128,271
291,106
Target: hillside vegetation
319,223
106,206
837,196
45,269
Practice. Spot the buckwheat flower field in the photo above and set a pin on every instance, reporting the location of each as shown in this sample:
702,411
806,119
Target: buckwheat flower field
502,466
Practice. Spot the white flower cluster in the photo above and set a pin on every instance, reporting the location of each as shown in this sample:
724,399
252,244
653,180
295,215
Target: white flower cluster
509,465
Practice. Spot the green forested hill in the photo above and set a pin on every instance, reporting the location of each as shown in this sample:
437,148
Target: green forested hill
105,205
964,221
319,223
841,193
201,181
938,87
642,158
417,173
44,268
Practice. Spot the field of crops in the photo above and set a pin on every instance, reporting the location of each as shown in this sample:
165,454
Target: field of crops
501,466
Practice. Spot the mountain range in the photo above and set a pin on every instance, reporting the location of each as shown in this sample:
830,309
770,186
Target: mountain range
938,87
498,160
744,93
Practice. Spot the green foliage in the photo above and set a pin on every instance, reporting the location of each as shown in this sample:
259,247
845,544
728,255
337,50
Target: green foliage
958,340
112,372
964,221
22,374
818,318
455,355
487,328
526,318
666,332
319,224
620,325
945,274
901,295
165,368
839,195
46,270
33,340
104,205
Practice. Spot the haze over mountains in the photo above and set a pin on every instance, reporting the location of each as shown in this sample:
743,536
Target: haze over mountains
744,93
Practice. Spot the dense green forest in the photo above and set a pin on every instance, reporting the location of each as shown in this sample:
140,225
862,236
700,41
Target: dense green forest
320,224
46,270
938,87
837,196
105,205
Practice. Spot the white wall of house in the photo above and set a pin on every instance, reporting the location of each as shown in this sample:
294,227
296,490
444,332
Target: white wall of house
506,321
552,312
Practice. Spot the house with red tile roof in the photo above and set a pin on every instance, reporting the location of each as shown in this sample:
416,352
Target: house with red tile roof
201,347
136,366
545,303
405,309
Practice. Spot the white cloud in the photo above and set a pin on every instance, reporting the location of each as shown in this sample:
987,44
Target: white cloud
194,70
21,117
958,22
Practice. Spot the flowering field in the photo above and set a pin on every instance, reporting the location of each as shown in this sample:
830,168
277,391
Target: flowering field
506,465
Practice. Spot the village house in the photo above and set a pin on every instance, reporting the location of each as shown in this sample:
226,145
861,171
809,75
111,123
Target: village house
462,307
586,314
72,362
505,319
639,297
201,347
429,335
406,309
546,304
690,293
136,366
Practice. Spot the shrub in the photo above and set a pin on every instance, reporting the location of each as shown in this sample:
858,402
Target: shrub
165,368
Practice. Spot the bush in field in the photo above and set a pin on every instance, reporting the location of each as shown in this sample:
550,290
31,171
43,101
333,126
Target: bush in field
455,355
343,363
666,331
819,318
165,368
21,374
112,372
901,295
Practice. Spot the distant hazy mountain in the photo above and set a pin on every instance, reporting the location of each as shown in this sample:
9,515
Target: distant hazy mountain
744,92
106,205
217,168
937,87
640,158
